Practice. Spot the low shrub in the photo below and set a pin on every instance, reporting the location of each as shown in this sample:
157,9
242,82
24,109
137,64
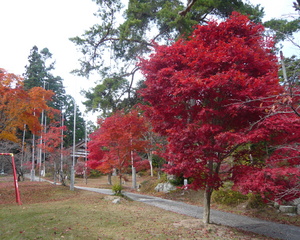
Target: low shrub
229,197
255,201
95,173
117,189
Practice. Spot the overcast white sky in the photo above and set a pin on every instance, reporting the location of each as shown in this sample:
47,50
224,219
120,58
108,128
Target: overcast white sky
44,23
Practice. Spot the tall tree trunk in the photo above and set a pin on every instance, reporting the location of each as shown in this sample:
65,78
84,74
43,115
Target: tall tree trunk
133,177
207,198
54,176
207,195
120,178
150,159
109,178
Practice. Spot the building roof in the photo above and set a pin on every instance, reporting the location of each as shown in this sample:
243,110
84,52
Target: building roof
80,150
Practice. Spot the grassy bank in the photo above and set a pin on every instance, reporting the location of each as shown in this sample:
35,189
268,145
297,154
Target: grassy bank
263,211
55,212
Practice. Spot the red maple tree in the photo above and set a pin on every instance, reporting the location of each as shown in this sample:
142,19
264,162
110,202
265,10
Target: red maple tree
112,145
51,141
210,95
52,138
272,169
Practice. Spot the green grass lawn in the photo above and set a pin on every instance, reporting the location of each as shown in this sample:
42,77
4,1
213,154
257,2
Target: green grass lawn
55,212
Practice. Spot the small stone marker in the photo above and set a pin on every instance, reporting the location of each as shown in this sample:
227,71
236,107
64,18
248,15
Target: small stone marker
185,183
116,201
287,209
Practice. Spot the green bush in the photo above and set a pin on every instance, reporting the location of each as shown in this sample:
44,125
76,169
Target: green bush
158,161
117,189
228,197
95,173
177,181
255,201
163,178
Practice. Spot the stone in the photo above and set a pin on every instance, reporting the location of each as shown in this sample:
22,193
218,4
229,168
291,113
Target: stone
164,187
170,177
296,201
109,198
116,201
287,209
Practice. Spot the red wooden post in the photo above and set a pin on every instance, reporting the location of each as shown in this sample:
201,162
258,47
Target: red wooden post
18,199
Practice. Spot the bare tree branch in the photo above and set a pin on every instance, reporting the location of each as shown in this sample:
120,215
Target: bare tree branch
188,8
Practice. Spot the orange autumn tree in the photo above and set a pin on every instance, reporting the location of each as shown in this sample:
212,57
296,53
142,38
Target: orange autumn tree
19,107
112,145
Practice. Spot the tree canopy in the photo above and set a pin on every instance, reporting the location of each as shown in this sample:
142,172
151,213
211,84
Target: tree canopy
286,27
112,47
19,106
38,74
212,95
112,145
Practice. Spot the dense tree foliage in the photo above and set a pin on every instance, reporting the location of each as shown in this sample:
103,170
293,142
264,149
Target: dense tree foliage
19,107
38,74
107,96
68,115
284,29
52,140
125,33
213,96
112,145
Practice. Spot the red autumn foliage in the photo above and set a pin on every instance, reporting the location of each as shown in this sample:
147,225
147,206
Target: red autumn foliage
279,183
82,168
111,146
52,138
50,142
212,96
140,164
